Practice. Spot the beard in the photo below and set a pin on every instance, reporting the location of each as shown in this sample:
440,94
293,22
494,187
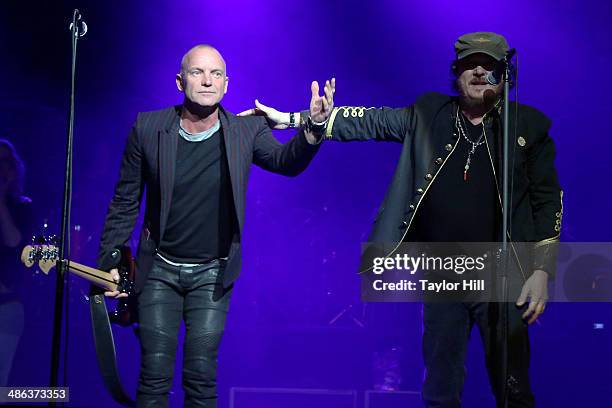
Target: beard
471,101
478,101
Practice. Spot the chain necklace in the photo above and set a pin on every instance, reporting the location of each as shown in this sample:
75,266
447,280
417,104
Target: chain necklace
463,130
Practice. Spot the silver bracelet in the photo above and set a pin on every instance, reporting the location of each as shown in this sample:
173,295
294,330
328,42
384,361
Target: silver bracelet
316,127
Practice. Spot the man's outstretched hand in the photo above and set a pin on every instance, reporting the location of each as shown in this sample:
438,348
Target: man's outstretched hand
321,107
276,119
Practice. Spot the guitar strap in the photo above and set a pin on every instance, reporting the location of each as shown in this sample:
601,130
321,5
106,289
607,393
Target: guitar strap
105,348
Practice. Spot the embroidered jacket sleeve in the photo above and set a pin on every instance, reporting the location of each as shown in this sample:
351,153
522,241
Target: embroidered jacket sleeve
545,194
358,123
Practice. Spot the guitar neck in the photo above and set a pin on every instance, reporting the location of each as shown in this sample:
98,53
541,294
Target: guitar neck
95,276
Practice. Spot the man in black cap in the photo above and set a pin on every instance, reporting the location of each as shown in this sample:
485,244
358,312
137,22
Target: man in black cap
447,188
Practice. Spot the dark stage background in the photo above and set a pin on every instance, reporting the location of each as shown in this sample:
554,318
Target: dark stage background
301,242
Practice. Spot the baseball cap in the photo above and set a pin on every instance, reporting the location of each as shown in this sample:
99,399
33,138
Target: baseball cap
484,42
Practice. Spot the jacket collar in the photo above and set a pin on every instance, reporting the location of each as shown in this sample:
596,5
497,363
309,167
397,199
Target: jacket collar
173,119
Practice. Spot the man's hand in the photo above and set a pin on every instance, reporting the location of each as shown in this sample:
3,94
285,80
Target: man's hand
116,294
276,119
536,289
322,106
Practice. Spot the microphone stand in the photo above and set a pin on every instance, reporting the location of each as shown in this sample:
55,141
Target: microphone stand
78,29
506,380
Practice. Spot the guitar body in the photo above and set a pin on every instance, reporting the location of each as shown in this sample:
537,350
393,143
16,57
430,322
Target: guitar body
126,313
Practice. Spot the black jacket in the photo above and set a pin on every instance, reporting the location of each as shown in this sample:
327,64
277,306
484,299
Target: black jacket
426,130
148,164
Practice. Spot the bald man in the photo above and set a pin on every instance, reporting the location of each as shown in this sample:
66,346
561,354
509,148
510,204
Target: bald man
193,162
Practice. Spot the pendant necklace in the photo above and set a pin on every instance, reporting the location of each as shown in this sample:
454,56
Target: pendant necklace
463,130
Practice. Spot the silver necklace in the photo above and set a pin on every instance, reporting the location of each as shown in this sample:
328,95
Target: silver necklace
470,141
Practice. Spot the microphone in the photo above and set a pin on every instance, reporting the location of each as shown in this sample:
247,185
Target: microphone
494,77
74,25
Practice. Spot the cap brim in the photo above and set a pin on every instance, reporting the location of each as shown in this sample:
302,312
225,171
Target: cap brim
466,53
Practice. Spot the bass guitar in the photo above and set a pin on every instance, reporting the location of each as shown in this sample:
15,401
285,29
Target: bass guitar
45,253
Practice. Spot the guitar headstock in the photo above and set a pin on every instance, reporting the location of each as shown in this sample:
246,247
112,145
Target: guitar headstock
43,250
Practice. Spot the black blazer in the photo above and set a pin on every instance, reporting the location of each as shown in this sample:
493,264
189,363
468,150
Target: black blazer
148,165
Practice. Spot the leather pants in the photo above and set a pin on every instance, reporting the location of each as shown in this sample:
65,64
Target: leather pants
171,294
